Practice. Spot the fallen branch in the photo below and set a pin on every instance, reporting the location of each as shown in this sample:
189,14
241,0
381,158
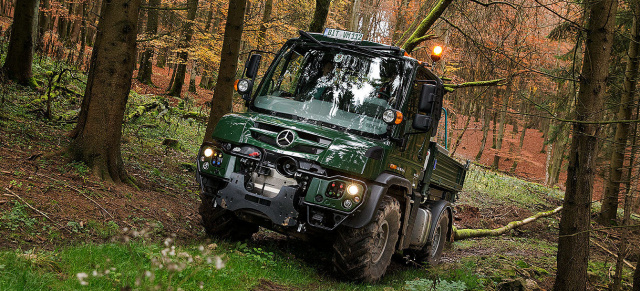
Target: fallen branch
460,234
77,190
614,255
29,205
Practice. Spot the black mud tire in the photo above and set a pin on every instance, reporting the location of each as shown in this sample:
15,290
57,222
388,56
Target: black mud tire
364,254
431,253
221,223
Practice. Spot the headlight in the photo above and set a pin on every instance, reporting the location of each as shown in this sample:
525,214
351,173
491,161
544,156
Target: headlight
353,189
208,152
391,116
243,86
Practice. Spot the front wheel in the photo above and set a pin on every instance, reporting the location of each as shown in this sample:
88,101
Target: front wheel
221,223
431,253
364,254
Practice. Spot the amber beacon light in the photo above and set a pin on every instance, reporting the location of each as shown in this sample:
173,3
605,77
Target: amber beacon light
436,54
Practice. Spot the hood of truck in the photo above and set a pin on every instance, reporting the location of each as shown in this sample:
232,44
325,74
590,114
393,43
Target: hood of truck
330,148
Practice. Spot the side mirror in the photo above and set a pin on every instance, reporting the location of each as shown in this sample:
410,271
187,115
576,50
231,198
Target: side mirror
421,122
252,66
427,98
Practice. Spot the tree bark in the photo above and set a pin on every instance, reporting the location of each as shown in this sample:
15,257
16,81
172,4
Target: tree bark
96,137
181,70
320,16
419,34
262,33
17,64
573,242
146,65
612,189
222,101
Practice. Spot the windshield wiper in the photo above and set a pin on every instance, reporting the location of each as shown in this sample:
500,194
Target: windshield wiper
307,35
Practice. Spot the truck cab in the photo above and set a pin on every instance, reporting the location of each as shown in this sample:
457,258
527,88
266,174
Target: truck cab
337,143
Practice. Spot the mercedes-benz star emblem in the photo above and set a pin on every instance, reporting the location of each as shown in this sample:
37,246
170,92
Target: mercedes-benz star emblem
285,138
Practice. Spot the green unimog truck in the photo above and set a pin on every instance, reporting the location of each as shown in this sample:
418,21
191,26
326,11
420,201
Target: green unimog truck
336,144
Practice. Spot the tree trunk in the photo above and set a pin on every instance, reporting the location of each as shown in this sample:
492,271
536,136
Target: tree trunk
43,22
192,79
612,188
222,101
262,33
181,70
573,242
500,136
83,35
320,16
17,64
146,65
486,124
556,151
623,248
96,137
354,15
525,126
93,16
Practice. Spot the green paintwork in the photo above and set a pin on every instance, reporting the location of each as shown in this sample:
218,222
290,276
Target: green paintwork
345,153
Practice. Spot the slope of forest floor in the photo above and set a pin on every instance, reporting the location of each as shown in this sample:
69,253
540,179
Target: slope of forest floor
57,221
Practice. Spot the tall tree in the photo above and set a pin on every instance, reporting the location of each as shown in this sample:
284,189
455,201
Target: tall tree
17,64
223,93
181,69
320,16
96,137
573,242
612,189
146,66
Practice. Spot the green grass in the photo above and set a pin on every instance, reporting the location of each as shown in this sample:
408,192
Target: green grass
144,266
483,188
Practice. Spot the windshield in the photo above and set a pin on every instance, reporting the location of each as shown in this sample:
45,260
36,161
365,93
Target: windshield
345,89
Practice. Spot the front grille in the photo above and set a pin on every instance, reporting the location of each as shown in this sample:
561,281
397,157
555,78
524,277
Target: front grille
275,129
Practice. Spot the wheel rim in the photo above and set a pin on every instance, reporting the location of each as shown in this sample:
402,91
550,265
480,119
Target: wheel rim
380,240
435,243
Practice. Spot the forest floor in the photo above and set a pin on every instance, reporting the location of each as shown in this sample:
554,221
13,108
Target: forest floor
51,208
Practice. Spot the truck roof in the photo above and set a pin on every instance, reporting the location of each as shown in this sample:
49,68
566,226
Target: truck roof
381,48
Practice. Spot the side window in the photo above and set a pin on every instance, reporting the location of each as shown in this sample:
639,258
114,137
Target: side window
284,78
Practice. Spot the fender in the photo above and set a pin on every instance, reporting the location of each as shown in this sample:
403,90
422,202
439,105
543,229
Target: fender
438,208
365,214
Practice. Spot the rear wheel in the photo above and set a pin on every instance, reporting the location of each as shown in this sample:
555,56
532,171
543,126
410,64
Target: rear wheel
221,223
431,253
364,254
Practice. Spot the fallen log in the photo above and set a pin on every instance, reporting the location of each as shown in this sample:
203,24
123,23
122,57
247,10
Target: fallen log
460,234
